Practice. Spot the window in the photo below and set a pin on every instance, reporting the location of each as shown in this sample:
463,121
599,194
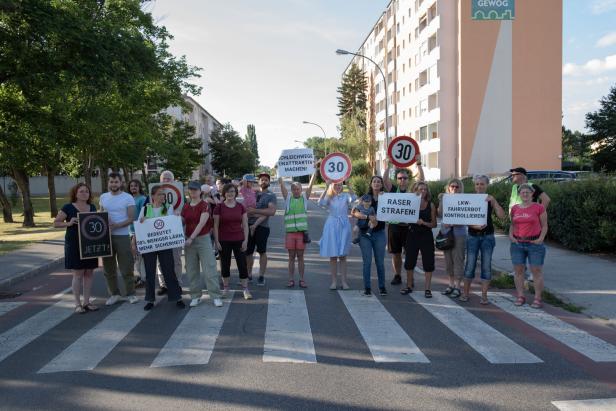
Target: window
423,133
423,79
403,91
403,67
433,160
432,101
432,43
433,131
423,106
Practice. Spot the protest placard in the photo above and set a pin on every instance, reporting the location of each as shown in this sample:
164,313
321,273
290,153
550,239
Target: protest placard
94,235
400,207
336,167
174,193
159,233
465,209
296,162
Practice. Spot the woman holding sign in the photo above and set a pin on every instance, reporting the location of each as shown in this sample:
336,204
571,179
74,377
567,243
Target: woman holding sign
83,270
158,208
336,238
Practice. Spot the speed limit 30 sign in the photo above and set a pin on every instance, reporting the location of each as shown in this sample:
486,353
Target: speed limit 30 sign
174,193
336,167
402,151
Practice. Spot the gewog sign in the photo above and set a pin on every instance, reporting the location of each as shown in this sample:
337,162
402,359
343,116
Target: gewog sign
493,10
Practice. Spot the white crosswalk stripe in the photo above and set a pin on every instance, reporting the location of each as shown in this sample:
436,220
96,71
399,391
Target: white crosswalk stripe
586,344
288,337
385,338
493,345
9,306
92,347
32,328
607,404
192,342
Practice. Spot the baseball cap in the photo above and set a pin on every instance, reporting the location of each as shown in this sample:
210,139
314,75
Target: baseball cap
194,185
366,197
521,170
265,175
249,177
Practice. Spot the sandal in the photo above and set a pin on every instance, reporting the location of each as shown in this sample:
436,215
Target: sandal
463,298
455,293
79,309
291,284
428,294
484,301
537,304
90,307
406,291
520,301
302,284
447,291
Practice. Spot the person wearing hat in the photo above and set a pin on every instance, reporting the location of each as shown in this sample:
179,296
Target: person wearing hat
518,177
200,260
259,228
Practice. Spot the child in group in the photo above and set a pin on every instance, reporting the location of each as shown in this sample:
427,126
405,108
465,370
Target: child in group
249,198
364,226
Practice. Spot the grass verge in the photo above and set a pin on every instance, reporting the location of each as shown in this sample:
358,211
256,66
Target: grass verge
502,282
552,299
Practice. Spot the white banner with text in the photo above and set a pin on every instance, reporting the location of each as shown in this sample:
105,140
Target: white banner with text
400,207
159,233
465,209
296,162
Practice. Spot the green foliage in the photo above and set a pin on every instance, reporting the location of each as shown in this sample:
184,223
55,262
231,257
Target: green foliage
352,94
251,138
231,155
179,148
354,138
576,148
361,168
502,282
359,184
602,124
436,187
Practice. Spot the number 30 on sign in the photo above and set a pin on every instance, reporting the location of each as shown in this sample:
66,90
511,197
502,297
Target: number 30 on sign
336,167
402,151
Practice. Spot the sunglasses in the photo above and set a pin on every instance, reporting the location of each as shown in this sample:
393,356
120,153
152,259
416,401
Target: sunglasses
403,178
454,186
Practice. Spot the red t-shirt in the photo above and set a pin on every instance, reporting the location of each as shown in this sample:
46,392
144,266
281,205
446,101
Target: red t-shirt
527,221
192,215
230,224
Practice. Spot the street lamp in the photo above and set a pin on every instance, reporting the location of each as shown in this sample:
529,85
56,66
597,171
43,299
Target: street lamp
324,135
341,52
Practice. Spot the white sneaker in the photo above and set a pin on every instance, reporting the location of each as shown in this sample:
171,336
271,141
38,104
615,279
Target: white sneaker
195,302
133,299
247,295
112,300
217,302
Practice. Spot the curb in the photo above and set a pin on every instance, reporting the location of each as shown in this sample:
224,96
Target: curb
32,272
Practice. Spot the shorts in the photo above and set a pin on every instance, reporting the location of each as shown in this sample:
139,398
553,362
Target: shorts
520,252
294,241
258,241
396,238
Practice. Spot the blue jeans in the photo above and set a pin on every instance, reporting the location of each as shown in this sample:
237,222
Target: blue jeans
374,243
520,252
475,244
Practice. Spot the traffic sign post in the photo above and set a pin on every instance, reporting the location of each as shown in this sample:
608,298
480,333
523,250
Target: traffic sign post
336,167
402,151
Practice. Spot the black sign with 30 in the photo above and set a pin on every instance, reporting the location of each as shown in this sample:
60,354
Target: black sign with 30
94,235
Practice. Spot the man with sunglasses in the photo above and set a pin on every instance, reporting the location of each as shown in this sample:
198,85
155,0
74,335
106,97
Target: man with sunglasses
518,177
396,233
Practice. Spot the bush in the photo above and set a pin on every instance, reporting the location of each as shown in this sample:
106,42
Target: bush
361,168
359,184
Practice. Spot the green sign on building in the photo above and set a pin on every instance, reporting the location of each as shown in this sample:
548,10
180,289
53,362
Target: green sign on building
493,9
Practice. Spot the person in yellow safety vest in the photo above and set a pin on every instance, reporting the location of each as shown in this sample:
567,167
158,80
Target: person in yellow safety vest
296,226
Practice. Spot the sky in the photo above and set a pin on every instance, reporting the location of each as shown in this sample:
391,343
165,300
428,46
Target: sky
272,63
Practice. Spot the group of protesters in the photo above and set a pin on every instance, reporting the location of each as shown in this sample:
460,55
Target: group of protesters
230,218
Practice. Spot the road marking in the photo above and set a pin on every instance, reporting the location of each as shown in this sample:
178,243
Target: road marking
9,306
288,337
92,347
586,344
607,404
487,341
19,336
193,340
61,293
385,338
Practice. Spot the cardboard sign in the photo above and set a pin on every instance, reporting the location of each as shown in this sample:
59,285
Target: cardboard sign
400,207
159,233
296,162
402,151
94,235
336,167
465,209
174,193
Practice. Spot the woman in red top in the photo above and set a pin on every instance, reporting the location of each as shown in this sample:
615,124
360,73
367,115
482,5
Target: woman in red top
231,235
198,248
529,226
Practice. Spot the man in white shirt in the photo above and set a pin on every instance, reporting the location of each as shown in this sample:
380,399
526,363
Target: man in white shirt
121,208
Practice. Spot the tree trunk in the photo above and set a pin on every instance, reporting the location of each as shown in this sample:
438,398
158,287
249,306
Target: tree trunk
51,188
104,173
23,182
87,171
7,211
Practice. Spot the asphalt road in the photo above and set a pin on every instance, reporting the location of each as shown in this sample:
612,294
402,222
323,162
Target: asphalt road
391,352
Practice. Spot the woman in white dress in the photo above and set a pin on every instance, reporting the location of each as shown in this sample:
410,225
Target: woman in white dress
336,238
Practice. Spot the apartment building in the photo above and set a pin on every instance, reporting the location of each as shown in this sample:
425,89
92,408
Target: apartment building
478,93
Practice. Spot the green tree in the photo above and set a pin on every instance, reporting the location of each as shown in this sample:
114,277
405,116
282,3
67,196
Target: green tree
251,138
231,155
352,94
179,150
576,147
602,124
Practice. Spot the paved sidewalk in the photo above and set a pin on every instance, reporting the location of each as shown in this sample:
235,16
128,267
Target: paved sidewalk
29,261
584,280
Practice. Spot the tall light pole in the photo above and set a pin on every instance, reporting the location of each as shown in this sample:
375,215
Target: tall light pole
324,135
341,52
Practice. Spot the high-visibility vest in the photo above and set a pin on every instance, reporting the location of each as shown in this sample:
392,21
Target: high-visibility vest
296,215
149,211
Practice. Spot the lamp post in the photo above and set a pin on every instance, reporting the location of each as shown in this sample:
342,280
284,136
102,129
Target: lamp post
324,135
341,52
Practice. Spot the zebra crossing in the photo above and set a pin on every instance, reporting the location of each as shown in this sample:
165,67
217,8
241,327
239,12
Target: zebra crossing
288,334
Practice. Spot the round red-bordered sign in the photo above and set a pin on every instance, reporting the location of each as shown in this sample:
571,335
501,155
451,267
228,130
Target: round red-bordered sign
336,167
178,195
402,151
